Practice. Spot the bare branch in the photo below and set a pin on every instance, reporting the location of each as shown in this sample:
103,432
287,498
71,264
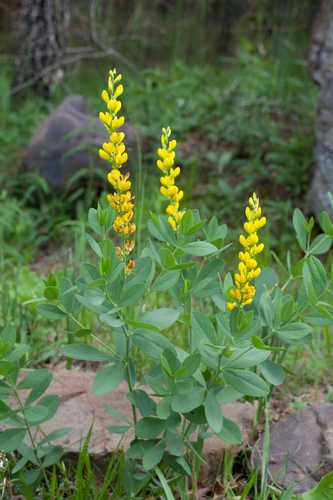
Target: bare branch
85,55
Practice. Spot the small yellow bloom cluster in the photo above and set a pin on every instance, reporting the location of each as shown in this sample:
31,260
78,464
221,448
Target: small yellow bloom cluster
114,152
248,270
168,188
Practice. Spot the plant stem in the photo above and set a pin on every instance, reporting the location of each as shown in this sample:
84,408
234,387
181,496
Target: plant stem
35,448
129,381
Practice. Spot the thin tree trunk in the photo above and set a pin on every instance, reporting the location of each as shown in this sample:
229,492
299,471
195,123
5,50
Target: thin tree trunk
42,38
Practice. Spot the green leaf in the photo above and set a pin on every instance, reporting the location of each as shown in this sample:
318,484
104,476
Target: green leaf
38,381
197,416
149,427
166,280
153,456
202,329
246,382
92,299
266,309
51,403
8,334
167,258
228,395
189,366
84,352
11,439
322,491
199,248
316,318
163,408
5,410
50,311
108,379
93,221
246,358
187,221
6,368
142,273
299,222
90,273
292,332
130,296
152,344
267,280
116,413
142,326
142,401
53,456
165,485
186,402
325,223
286,308
36,414
308,285
174,443
94,245
66,295
318,274
321,244
170,362
272,372
111,320
230,432
162,318
59,433
213,412
51,292
118,429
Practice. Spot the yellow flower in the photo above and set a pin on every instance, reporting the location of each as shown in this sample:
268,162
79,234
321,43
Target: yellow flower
248,266
168,188
114,152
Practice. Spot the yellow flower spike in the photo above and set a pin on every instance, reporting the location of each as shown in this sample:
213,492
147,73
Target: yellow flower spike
168,188
115,152
248,267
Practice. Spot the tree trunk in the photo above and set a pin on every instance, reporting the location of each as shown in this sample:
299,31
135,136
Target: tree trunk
42,37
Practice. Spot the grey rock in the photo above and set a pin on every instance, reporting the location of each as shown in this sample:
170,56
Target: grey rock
68,141
301,448
321,67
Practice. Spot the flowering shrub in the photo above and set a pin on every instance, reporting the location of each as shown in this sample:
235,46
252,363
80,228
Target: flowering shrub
237,331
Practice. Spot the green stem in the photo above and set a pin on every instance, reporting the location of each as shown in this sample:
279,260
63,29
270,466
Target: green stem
328,341
129,381
188,312
33,444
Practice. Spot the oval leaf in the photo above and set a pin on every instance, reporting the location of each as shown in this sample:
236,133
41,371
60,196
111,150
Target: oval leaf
108,379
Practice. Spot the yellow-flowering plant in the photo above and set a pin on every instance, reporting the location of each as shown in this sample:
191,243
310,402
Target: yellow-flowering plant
231,335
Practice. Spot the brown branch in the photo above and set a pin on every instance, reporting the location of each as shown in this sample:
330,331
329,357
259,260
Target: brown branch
70,60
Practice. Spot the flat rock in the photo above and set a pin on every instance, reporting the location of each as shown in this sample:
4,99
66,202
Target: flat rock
302,445
79,408
67,142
